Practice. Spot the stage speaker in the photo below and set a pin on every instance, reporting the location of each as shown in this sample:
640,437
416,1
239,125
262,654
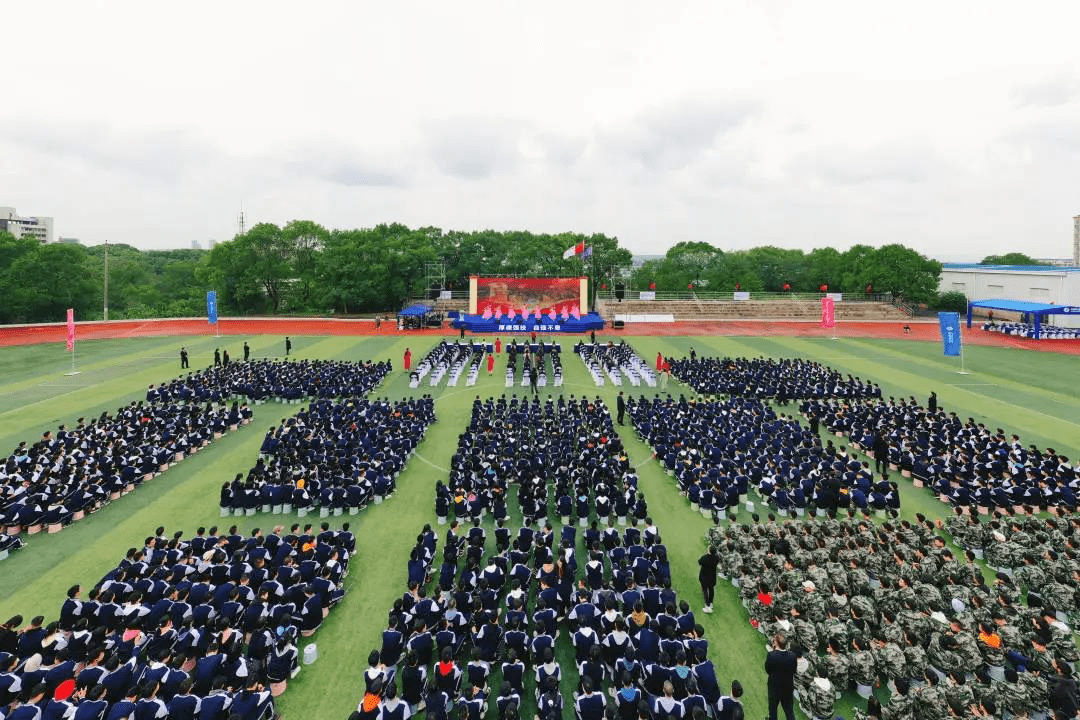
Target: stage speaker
620,292
617,324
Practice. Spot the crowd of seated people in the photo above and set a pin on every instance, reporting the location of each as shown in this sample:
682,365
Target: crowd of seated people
204,627
617,361
866,606
560,454
76,470
484,635
719,450
1048,332
965,462
780,379
334,456
1039,552
260,380
535,356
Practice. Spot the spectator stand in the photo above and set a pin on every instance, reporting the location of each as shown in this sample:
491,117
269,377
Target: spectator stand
331,457
210,621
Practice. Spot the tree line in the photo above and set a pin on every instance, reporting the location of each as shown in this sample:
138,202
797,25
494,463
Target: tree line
305,268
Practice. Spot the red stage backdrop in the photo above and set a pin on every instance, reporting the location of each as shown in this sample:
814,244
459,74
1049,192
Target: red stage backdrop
527,296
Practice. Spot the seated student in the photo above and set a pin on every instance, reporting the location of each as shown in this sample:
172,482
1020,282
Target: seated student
729,707
589,704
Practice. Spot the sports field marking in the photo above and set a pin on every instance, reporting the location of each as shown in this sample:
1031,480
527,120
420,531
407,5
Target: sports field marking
424,460
1030,410
972,384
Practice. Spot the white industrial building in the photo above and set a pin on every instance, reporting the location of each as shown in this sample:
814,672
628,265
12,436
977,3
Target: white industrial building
1034,283
39,228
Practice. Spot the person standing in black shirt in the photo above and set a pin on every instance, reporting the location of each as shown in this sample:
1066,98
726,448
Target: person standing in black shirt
620,404
780,665
183,358
707,577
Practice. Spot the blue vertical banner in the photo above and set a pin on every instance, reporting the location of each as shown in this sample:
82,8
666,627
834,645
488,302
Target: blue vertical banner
950,332
211,307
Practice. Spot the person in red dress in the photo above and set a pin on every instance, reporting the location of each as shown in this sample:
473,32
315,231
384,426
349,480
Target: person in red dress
491,363
407,361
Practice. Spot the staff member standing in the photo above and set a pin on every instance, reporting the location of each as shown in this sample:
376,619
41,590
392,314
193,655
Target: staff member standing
707,577
780,665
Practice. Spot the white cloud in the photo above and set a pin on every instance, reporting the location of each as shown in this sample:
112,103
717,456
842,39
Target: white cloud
934,125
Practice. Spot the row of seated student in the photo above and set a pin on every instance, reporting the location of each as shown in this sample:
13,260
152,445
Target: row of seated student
204,628
488,638
781,379
1047,332
562,455
268,379
718,450
439,361
76,470
891,606
965,461
333,455
617,361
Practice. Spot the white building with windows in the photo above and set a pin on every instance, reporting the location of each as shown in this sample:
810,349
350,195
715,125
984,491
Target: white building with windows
39,228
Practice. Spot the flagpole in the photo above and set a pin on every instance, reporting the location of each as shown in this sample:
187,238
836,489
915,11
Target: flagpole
960,330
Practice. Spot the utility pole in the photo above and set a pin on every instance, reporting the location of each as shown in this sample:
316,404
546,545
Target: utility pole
106,310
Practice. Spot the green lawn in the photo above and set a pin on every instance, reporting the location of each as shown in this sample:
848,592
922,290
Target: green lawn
1029,393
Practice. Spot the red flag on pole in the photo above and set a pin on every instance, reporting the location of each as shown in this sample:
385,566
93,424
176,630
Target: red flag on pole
71,330
828,309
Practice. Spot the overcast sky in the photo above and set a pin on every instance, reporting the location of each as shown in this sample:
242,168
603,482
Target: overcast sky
951,127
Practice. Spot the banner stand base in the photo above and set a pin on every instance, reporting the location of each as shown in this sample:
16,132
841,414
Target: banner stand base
73,372
962,372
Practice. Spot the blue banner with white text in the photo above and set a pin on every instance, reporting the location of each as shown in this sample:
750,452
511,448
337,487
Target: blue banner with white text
211,307
950,332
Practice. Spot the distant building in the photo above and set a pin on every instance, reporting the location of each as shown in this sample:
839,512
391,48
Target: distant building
196,245
39,228
69,240
1036,283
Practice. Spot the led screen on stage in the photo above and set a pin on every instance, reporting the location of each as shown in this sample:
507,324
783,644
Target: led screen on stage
528,296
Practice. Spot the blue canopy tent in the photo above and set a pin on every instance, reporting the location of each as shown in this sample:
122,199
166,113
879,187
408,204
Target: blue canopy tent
1037,311
414,316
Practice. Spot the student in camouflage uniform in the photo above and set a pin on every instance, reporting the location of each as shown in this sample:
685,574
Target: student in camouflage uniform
929,700
820,697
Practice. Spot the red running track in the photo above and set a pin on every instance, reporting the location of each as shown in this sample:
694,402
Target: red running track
919,331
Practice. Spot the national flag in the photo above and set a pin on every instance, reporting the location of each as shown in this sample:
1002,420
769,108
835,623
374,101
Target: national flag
71,330
950,332
574,250
828,310
587,253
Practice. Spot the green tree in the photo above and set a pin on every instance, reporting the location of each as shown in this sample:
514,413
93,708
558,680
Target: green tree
50,280
1013,258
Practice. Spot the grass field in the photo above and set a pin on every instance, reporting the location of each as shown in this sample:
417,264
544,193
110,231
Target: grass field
1030,393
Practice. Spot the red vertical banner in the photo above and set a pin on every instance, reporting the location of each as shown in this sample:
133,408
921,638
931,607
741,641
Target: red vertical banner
71,330
828,309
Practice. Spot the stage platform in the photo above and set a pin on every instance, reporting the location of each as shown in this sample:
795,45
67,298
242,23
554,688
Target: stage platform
507,324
